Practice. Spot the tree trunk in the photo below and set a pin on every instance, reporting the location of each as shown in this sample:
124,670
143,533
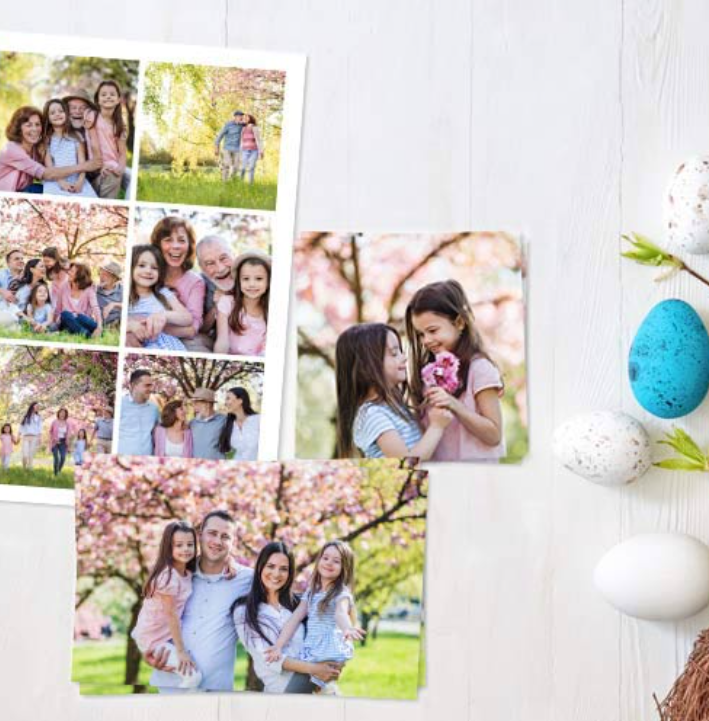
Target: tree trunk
133,652
253,682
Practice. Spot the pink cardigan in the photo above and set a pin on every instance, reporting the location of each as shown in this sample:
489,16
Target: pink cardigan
54,432
86,303
159,436
190,291
17,168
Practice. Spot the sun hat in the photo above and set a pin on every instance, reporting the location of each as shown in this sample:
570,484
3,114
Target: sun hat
113,268
204,394
79,94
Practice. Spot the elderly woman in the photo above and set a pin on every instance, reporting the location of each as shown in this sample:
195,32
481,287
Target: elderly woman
20,159
175,238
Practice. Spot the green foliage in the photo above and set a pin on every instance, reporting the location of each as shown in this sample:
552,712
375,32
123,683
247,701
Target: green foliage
205,187
109,337
37,477
646,252
689,456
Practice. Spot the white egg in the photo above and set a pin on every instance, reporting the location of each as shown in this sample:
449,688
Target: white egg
656,576
687,207
606,447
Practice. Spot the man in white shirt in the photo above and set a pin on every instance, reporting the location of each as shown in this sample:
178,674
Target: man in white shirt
208,629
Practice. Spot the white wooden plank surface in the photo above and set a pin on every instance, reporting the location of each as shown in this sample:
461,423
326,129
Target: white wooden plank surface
562,120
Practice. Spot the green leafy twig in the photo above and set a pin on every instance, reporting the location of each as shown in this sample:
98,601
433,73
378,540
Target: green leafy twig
646,252
689,456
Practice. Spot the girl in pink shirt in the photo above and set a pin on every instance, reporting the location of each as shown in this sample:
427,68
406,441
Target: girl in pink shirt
107,129
164,597
242,315
76,305
439,319
7,441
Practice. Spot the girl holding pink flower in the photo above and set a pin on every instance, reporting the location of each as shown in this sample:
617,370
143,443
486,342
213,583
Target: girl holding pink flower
372,414
451,370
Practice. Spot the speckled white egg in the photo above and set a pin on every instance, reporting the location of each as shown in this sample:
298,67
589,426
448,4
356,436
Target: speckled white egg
606,447
656,576
687,207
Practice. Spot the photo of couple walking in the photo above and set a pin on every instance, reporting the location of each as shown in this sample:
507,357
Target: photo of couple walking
146,429
434,379
223,308
67,140
224,598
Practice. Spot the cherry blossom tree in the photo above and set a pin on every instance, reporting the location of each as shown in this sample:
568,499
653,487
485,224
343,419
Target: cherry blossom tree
124,503
93,234
343,279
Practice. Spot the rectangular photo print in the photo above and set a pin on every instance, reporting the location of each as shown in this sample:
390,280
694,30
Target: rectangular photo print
211,272
55,406
411,345
69,124
62,269
298,577
211,135
191,407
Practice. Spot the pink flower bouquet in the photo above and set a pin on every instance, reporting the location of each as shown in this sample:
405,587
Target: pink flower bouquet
442,372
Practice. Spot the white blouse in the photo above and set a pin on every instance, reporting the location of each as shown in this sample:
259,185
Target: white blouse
244,440
173,450
272,621
33,427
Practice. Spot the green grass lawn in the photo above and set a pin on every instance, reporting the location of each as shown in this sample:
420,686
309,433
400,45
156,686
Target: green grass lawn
109,337
387,667
38,476
205,187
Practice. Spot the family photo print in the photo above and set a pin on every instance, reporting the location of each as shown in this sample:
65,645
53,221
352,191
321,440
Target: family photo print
411,345
299,577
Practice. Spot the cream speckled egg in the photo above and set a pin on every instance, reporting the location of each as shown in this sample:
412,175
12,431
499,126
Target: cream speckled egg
606,447
687,207
656,576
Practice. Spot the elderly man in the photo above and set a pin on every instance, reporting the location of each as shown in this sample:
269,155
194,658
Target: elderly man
109,293
231,151
206,426
139,416
102,431
216,259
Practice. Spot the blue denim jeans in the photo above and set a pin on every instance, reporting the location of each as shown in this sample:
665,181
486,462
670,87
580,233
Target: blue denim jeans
248,162
59,453
77,323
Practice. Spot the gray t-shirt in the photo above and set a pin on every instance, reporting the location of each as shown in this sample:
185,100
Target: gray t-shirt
105,297
138,421
104,428
205,437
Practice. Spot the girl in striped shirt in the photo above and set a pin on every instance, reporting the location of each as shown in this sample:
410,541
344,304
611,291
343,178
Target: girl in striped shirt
328,605
372,414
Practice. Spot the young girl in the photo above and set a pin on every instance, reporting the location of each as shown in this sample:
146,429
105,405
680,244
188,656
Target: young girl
80,447
63,148
150,303
439,319
242,315
7,441
372,414
107,129
165,595
39,313
329,606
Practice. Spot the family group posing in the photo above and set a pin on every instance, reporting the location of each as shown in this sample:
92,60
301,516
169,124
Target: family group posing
66,435
145,430
241,146
197,601
49,294
223,309
75,146
445,406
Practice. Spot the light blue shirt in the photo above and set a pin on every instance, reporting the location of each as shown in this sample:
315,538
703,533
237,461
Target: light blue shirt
373,419
208,630
205,437
231,133
136,427
5,278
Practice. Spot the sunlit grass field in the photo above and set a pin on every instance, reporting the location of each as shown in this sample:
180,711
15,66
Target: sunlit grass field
109,337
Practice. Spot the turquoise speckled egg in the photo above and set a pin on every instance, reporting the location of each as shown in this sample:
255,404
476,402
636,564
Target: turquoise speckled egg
669,360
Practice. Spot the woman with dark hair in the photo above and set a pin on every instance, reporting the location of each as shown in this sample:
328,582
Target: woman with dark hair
60,433
31,433
33,275
175,238
21,159
77,309
242,427
172,436
260,616
251,147
56,267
